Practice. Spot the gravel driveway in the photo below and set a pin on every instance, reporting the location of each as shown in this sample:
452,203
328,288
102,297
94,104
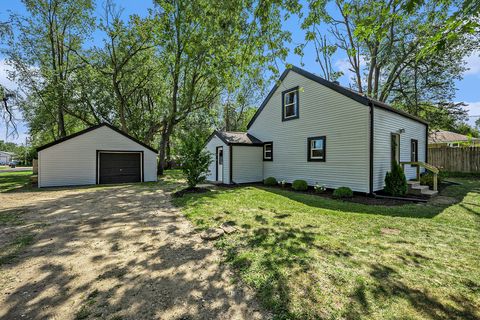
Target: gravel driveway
121,252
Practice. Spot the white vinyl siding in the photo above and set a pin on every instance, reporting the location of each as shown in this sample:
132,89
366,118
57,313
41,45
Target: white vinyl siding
386,123
212,148
247,164
322,112
74,161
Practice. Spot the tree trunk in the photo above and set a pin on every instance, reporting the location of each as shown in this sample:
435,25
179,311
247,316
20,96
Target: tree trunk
61,122
162,150
168,158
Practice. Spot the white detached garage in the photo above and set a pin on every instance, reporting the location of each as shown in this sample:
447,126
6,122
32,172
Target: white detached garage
98,155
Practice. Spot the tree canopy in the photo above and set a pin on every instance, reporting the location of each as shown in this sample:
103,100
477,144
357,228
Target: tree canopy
206,64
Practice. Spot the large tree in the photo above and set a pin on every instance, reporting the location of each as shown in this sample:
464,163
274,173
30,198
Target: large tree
43,59
384,42
209,47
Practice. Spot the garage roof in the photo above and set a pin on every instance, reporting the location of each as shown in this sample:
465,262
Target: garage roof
48,145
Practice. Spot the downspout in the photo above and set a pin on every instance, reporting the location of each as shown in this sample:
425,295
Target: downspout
231,163
426,144
372,107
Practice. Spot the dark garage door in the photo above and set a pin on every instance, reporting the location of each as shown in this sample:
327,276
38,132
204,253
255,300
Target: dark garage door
119,167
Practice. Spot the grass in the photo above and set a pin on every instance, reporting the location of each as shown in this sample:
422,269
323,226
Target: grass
10,181
10,251
310,257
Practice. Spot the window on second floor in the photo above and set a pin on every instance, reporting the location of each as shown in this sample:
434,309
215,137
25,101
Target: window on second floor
290,104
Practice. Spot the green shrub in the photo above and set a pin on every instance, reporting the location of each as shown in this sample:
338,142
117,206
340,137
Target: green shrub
270,181
395,181
343,192
194,159
427,179
300,185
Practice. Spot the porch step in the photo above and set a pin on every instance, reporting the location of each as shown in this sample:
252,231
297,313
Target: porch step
429,193
414,187
413,184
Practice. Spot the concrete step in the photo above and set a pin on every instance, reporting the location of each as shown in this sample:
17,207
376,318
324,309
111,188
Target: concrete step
412,183
415,188
429,193
418,190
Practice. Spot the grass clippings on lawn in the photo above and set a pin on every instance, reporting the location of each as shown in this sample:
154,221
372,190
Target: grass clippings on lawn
310,257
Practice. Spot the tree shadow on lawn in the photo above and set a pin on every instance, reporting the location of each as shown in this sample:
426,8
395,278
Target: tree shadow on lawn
116,252
283,253
288,273
388,285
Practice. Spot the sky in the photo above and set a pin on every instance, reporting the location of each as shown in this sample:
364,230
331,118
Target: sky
468,89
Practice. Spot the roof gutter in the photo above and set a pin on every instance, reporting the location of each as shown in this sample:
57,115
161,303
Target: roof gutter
372,127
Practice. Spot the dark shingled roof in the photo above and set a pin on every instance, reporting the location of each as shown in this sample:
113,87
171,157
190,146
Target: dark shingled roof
236,138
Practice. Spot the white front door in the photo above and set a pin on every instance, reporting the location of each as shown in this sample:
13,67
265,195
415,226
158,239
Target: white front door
220,164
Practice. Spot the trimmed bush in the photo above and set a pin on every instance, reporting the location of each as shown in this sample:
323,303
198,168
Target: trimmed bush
427,179
270,181
342,192
395,181
300,185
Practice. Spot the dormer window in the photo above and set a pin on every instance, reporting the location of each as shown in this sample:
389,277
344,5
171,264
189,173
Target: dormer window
290,104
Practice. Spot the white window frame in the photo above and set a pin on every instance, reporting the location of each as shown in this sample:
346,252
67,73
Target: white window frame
311,148
294,104
265,157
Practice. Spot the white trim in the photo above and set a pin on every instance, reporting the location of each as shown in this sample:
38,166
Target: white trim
294,104
265,151
98,152
312,143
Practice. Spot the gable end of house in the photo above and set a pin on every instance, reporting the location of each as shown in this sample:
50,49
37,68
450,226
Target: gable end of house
342,90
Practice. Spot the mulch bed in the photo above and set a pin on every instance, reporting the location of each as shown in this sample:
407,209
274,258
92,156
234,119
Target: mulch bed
185,191
357,197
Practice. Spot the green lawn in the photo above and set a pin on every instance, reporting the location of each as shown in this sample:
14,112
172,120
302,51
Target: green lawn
10,181
310,257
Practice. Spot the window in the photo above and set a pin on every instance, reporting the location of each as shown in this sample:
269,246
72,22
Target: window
395,148
268,151
414,150
290,104
316,149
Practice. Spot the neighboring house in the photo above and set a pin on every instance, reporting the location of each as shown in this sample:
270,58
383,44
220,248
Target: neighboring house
98,155
6,157
440,138
312,129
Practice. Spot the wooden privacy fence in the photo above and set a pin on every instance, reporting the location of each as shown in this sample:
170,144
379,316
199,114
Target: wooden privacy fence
462,159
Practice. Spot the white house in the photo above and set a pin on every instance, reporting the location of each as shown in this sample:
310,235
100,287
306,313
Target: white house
316,130
6,157
98,155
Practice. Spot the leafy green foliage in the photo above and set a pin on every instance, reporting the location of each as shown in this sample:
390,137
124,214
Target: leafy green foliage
427,178
386,41
300,185
194,160
342,192
270,181
395,181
